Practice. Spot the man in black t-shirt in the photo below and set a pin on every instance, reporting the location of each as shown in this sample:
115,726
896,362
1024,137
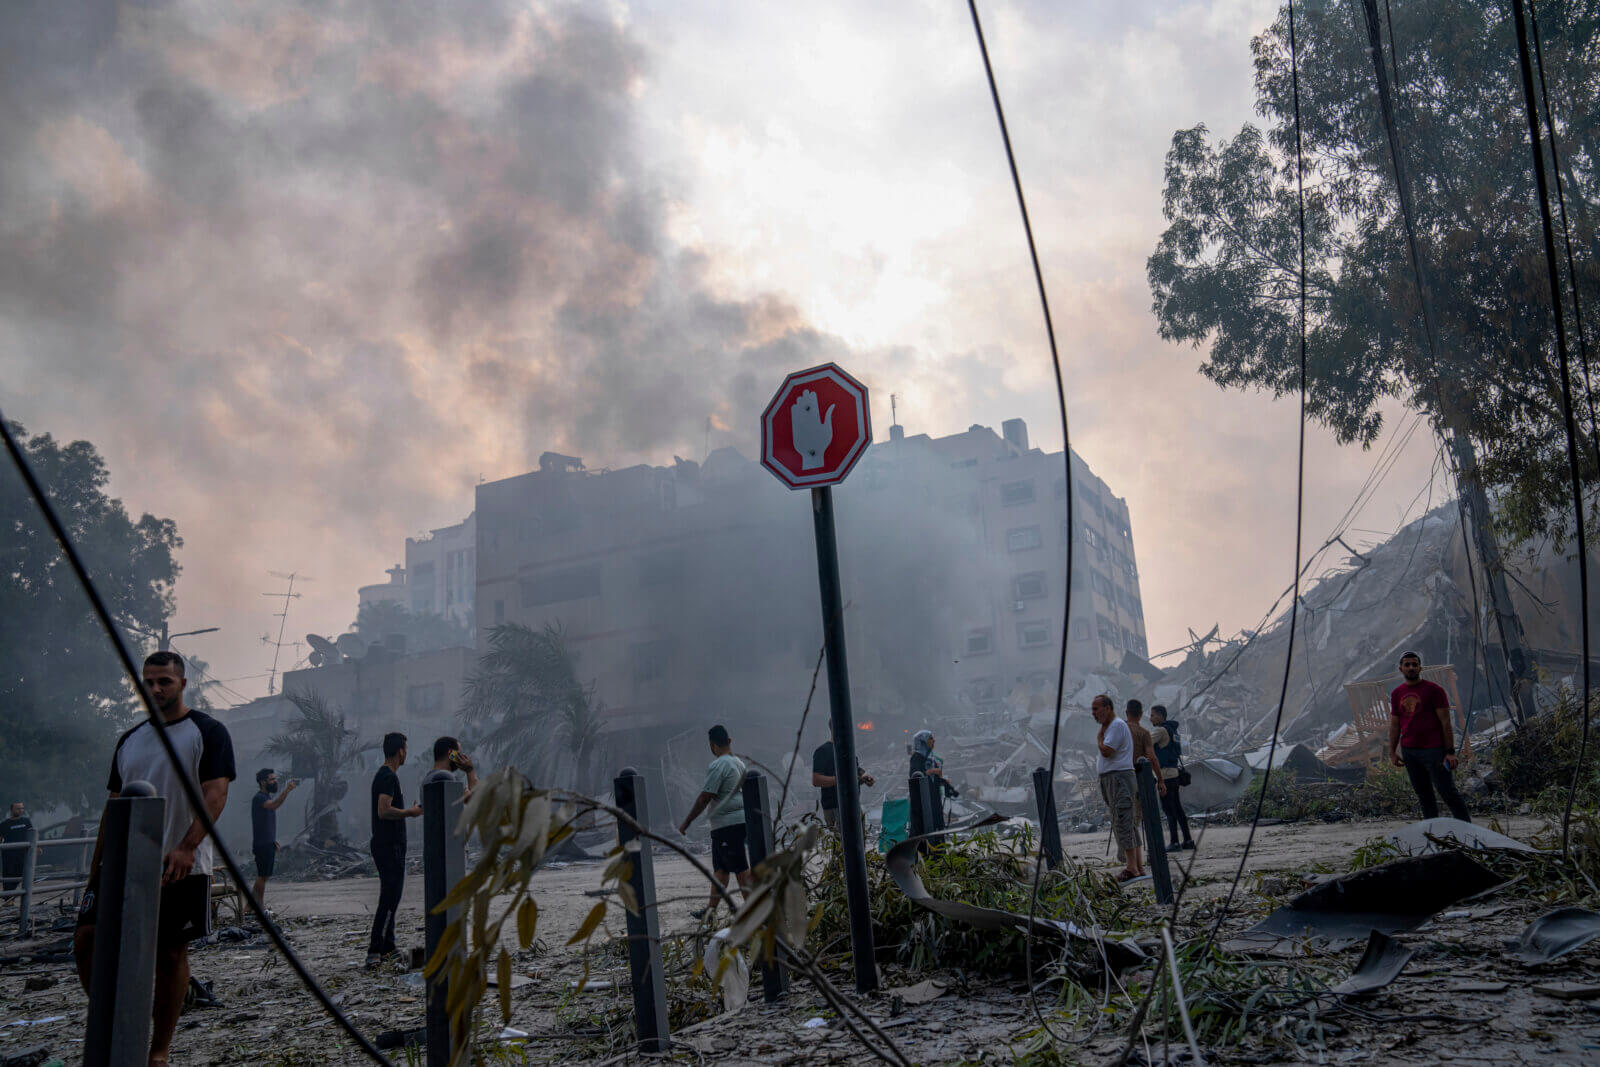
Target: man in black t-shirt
825,776
13,831
388,846
264,825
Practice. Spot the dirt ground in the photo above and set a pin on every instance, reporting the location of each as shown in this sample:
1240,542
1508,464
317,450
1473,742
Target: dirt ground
267,1018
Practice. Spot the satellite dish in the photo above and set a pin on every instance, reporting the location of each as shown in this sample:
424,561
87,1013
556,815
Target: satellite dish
323,652
351,646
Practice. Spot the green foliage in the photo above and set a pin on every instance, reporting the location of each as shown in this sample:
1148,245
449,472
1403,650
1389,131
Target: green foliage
524,693
320,746
1536,763
63,696
423,631
1224,273
984,870
1386,792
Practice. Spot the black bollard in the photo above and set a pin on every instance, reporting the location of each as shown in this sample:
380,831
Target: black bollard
758,839
123,972
1155,841
918,821
444,863
1049,828
644,929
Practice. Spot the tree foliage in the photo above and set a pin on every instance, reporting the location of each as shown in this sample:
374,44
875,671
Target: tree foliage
63,696
530,709
1224,273
424,631
321,746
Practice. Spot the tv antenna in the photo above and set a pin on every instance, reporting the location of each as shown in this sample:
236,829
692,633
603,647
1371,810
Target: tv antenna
287,595
894,416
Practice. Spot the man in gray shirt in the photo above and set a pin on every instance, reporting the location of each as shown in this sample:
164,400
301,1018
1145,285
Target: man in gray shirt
723,793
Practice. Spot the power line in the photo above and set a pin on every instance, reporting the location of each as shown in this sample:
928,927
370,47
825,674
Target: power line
190,789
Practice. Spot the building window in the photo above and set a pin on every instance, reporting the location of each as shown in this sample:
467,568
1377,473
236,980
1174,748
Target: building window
1033,634
1103,586
1090,537
1107,629
651,660
1022,538
425,699
1013,493
1080,629
1028,586
499,612
960,463
558,586
982,690
980,642
661,568
1127,639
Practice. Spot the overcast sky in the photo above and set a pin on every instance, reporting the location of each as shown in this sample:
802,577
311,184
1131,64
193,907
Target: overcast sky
306,273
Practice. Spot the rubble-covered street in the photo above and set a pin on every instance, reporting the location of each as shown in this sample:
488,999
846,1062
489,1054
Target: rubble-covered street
1467,999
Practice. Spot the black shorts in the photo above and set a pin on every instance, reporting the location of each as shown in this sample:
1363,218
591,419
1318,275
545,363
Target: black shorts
266,860
185,910
727,850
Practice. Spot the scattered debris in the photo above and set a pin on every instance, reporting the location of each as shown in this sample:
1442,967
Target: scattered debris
1554,934
1390,898
1421,838
1380,964
1568,990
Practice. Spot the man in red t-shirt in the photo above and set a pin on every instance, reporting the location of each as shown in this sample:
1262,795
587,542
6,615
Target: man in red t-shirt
1422,740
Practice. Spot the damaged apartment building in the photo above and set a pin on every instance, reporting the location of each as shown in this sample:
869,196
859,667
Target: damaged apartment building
689,592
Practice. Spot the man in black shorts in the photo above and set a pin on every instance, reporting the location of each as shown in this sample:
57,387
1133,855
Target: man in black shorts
723,793
206,754
264,826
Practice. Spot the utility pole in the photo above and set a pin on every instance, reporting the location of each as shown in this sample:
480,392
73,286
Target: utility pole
283,620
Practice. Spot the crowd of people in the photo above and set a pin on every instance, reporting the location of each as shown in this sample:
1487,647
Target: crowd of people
1421,741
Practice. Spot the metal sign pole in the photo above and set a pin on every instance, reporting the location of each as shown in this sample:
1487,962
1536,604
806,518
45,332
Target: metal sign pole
844,742
644,929
758,836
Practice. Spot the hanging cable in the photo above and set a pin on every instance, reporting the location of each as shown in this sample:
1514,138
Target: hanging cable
1066,452
1300,484
1566,235
1531,106
191,790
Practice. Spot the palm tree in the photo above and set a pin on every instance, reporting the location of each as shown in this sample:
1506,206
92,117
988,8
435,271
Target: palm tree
320,746
526,694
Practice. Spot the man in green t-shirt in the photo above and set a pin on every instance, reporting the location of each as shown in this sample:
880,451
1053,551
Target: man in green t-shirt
723,793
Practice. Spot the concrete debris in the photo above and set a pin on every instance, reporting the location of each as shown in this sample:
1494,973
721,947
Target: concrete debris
1554,934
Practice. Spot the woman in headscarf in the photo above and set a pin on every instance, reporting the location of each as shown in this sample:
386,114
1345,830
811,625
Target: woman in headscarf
923,761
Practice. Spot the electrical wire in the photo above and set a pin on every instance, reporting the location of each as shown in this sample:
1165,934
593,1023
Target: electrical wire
191,790
1566,234
1066,453
1530,102
1300,486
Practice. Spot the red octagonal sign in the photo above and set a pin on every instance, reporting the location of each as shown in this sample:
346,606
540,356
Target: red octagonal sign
816,427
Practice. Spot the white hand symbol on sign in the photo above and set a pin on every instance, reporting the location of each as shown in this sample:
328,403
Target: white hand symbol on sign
812,432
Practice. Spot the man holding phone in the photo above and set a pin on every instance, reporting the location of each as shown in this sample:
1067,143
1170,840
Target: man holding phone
205,753
448,757
264,826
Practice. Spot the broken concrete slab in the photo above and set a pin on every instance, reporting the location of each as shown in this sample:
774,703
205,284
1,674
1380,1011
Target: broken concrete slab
1422,837
1390,898
1380,964
1568,990
1554,934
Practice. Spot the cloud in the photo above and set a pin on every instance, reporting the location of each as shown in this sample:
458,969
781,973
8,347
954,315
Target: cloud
306,276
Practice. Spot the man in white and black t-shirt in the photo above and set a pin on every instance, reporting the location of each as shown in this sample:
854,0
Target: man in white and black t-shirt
206,754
